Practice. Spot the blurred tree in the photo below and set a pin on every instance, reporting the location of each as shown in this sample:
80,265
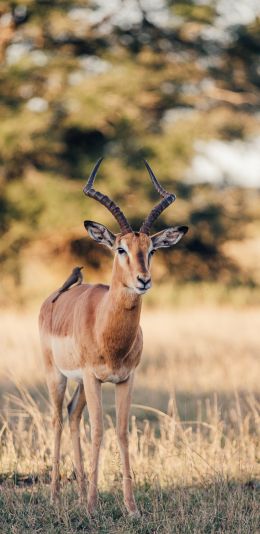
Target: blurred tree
83,80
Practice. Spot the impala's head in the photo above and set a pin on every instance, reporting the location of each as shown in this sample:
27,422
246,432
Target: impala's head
133,250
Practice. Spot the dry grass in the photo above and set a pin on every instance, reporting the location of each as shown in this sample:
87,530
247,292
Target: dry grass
196,350
196,464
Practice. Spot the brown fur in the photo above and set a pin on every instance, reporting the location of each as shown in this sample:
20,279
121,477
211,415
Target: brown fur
103,321
92,333
110,319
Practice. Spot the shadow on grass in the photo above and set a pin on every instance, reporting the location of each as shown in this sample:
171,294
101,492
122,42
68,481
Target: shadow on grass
216,507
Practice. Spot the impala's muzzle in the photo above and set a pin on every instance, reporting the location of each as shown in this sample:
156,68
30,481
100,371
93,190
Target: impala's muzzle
144,283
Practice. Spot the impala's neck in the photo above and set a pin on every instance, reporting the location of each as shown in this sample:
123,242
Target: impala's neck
119,317
126,298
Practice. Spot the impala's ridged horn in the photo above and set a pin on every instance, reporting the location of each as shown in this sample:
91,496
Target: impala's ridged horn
168,198
106,201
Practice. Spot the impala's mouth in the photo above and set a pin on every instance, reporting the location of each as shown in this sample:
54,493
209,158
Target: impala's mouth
142,289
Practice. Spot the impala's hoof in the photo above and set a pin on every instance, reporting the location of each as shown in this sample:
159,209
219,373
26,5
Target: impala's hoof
82,497
55,499
134,514
91,507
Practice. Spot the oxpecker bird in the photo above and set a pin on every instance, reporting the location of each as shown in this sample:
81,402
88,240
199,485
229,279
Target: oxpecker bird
74,278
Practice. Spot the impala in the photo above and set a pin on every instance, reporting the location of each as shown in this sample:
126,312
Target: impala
91,334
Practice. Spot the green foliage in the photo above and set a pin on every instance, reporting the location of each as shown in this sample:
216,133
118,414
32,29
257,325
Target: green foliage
199,13
77,92
20,208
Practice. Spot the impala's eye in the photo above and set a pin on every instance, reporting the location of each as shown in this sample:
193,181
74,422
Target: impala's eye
121,251
151,253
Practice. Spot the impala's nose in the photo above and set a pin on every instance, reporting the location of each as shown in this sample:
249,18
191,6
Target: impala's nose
144,281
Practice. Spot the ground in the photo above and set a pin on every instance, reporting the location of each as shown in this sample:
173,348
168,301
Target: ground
194,431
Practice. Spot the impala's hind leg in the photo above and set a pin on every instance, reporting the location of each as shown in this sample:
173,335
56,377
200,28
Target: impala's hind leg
75,409
57,385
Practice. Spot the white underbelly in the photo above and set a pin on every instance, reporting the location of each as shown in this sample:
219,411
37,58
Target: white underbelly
74,374
105,374
115,379
67,361
65,356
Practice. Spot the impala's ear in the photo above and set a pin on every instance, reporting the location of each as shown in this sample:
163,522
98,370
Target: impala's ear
168,237
100,233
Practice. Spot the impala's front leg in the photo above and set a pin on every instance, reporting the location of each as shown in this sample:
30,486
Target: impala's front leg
123,403
92,388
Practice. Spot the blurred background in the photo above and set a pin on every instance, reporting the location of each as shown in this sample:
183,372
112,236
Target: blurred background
176,83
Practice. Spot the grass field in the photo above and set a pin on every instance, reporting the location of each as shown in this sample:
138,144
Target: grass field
194,431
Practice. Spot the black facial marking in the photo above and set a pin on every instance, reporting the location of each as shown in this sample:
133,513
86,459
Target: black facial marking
140,257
